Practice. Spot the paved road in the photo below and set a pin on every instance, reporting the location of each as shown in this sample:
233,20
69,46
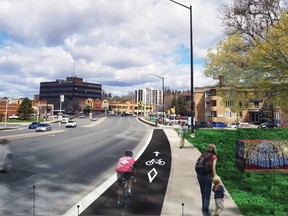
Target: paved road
65,166
148,192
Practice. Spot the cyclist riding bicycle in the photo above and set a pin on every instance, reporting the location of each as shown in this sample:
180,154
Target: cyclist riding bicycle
125,169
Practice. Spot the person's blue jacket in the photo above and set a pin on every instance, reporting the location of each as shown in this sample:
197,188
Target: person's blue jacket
218,191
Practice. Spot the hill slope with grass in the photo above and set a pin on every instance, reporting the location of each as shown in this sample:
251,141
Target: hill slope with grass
254,193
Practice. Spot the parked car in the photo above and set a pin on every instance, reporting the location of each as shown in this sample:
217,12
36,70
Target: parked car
6,156
234,125
94,118
43,127
219,125
81,116
71,123
13,116
202,124
33,125
267,125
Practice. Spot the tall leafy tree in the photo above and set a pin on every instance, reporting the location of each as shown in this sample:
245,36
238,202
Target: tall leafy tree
181,105
270,63
25,109
255,53
229,62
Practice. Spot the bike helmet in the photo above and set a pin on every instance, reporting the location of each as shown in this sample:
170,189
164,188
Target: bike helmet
128,153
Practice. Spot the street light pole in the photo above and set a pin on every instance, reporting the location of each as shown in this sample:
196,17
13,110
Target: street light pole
191,65
163,100
6,111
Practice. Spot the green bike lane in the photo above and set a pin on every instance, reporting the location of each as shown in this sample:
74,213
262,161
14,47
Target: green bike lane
152,174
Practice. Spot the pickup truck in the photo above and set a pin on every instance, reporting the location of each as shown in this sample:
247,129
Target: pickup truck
71,123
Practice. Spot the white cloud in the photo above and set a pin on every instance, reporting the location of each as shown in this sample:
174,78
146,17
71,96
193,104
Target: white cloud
114,43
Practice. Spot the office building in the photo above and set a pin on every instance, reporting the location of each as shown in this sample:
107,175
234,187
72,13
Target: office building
73,89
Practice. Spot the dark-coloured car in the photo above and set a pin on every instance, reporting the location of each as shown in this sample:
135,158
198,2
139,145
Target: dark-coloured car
219,125
33,125
202,124
268,125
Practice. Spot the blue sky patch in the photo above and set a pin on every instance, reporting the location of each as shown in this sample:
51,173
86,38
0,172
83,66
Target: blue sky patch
3,37
184,54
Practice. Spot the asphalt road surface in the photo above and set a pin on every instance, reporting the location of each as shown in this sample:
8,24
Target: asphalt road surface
150,187
53,171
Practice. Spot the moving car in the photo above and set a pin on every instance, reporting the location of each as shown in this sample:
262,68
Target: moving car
71,123
234,125
94,118
43,127
268,125
33,125
6,156
64,119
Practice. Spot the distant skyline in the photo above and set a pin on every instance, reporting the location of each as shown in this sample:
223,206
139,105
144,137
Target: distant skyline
113,43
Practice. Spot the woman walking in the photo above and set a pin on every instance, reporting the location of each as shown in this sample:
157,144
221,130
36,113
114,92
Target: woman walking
206,170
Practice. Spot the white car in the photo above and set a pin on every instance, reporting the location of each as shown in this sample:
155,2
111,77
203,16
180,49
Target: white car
71,123
6,157
234,125
13,116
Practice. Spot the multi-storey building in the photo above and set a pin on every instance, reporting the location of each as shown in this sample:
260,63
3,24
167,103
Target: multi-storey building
148,101
217,104
73,89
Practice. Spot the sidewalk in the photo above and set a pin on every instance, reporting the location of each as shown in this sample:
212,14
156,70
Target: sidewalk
183,195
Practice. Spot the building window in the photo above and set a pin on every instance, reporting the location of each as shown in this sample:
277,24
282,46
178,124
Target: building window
256,105
211,92
277,115
229,114
211,103
213,114
228,103
208,114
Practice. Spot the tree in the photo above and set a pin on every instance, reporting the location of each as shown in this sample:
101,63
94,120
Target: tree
250,18
265,113
181,105
25,109
235,99
229,62
270,63
263,25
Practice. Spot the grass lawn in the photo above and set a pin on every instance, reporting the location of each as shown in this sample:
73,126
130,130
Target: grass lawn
254,193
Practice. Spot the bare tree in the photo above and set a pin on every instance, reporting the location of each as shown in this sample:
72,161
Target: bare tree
250,18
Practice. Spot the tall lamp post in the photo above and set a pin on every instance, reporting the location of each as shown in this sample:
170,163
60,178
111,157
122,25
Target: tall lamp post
6,111
191,64
163,109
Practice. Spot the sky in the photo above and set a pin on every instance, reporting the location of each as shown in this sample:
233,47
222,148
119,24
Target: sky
116,43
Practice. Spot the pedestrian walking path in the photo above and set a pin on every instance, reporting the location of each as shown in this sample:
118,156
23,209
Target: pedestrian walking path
183,193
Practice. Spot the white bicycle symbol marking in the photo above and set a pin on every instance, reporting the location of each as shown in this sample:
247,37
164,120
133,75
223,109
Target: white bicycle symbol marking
156,161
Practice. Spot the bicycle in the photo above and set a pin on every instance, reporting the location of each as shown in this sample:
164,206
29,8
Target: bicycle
125,199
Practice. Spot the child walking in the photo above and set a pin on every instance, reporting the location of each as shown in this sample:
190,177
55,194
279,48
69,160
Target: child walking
219,191
182,134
